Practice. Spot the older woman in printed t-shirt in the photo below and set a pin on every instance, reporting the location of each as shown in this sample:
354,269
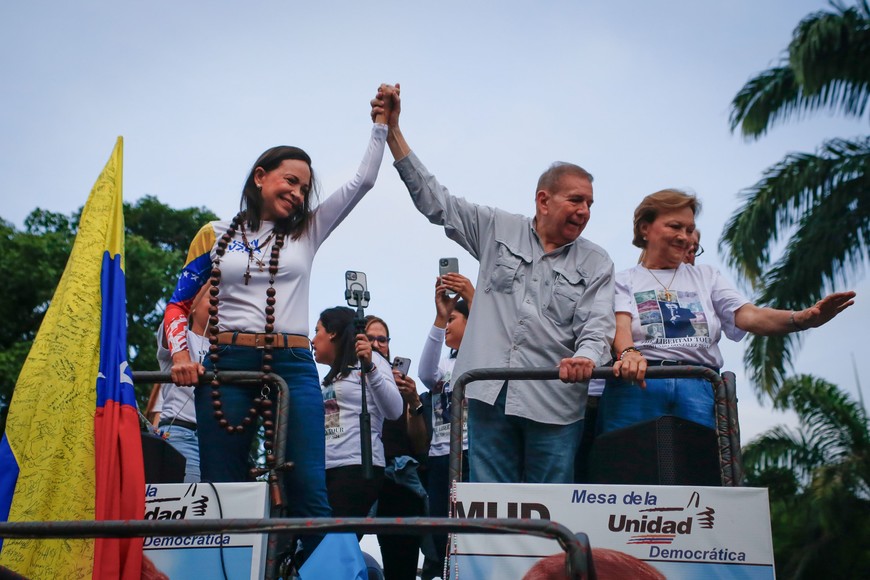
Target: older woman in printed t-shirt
671,312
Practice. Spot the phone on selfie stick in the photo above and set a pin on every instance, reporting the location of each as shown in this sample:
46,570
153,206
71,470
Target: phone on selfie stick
448,266
357,295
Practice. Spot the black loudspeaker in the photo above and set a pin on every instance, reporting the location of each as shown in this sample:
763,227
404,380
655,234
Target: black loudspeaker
163,462
665,451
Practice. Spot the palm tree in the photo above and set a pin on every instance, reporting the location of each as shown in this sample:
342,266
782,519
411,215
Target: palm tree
819,202
819,482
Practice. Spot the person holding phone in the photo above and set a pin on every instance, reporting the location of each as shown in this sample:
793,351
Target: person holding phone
258,266
453,296
349,355
544,299
405,447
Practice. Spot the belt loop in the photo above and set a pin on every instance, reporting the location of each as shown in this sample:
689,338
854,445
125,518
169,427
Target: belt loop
235,336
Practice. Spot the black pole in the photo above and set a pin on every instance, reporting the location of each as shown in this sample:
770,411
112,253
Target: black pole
365,420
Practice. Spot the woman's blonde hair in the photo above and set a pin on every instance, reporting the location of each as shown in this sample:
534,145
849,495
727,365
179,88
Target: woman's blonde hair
659,202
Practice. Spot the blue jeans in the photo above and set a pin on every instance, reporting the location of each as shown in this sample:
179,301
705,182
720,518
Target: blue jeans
186,442
509,449
224,457
624,404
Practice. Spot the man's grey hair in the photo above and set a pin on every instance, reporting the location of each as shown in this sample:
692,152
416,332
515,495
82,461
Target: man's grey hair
549,179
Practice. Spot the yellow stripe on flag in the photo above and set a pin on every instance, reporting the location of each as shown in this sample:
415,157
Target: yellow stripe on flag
50,426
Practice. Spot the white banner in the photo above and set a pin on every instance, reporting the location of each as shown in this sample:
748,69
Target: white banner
207,555
635,531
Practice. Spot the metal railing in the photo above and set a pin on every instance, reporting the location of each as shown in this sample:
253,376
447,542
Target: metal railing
724,393
577,561
277,501
579,564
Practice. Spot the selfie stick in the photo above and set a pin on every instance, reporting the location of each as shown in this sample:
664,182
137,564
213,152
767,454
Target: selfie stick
357,298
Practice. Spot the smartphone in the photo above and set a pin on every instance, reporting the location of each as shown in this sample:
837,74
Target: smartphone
356,288
446,266
402,364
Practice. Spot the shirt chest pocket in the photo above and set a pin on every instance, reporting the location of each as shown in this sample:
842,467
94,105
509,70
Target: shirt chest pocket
506,269
568,289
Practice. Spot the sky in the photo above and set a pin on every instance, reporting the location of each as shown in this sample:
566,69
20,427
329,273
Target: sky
638,93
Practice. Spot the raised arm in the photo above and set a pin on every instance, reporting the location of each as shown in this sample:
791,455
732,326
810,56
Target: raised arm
773,322
429,359
462,220
339,204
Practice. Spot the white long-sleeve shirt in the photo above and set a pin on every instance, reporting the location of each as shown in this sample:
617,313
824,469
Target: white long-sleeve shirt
436,373
241,305
343,401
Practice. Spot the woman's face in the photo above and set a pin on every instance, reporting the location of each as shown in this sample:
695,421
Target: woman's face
455,330
377,335
668,237
324,347
284,189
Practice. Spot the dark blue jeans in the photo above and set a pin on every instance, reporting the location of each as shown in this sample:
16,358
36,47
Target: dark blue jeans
509,449
624,404
224,457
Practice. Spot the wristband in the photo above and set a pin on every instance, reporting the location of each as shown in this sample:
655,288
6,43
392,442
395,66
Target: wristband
794,323
367,369
418,411
626,350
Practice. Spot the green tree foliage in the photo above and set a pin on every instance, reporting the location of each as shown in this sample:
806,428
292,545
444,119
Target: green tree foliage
156,243
818,204
819,482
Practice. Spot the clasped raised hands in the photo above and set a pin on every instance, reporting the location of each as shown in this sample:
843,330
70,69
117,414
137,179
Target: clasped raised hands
387,105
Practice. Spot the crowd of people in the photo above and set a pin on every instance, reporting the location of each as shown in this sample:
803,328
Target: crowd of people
544,297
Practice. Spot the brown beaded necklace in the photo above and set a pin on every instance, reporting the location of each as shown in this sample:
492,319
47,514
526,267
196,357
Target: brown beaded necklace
263,405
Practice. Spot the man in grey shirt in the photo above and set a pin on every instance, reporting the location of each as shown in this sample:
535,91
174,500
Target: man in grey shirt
544,298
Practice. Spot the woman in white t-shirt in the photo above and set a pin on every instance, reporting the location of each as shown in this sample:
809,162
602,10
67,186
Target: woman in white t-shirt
670,312
349,354
451,316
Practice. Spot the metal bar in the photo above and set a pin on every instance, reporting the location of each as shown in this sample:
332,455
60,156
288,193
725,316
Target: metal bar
547,374
283,398
730,382
720,415
576,547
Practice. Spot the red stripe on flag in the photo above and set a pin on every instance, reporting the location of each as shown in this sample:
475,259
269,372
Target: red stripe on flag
119,492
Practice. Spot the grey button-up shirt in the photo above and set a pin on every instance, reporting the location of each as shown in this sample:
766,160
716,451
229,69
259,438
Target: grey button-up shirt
531,309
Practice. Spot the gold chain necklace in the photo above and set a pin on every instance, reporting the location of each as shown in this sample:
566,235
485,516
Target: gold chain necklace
668,296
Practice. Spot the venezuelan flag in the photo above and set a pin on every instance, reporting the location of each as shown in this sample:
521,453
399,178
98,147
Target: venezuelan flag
72,448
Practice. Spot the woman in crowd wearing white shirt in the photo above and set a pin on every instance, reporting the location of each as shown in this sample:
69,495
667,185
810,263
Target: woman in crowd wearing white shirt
349,355
451,316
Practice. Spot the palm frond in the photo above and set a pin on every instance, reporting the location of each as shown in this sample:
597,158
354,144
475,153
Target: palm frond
768,359
829,247
829,53
792,191
780,447
827,412
768,97
830,453
827,66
